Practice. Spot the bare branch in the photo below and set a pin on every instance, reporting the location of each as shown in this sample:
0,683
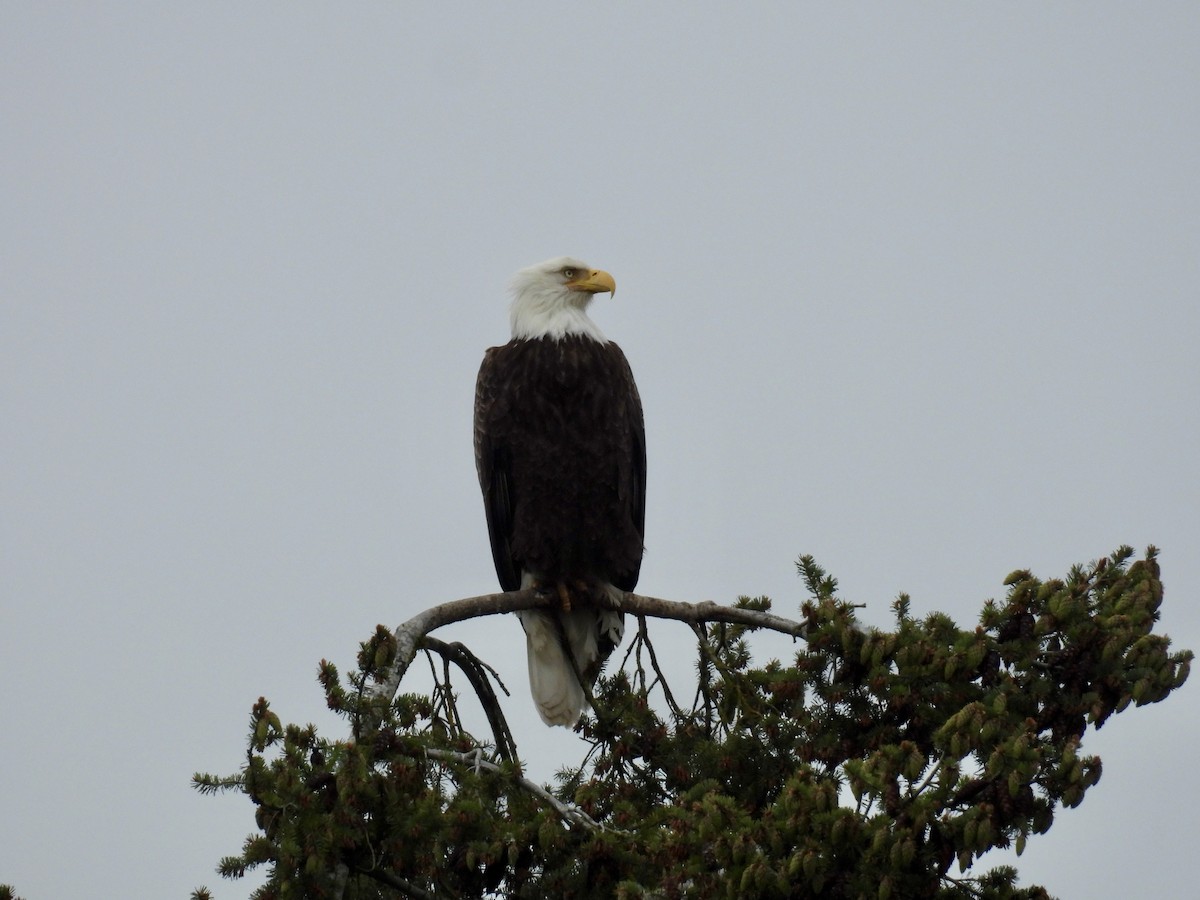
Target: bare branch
707,611
408,635
644,637
383,876
568,812
476,672
934,770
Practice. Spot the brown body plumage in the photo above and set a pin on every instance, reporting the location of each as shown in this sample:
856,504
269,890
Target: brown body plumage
561,452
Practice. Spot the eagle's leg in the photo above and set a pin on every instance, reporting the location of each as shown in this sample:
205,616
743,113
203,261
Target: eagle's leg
564,595
545,587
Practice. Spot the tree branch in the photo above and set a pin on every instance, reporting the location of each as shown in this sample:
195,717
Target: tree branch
568,812
383,876
408,635
644,637
476,671
707,611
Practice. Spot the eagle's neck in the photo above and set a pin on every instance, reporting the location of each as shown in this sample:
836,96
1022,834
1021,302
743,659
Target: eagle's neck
552,313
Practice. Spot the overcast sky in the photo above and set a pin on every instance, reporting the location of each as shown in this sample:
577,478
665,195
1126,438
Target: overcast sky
910,288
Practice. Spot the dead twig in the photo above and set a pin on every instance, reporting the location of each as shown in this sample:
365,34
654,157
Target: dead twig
477,673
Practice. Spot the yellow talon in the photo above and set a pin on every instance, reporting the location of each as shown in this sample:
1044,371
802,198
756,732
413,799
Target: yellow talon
564,595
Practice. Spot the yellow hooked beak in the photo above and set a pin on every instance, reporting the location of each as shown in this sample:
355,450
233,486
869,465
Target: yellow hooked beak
593,282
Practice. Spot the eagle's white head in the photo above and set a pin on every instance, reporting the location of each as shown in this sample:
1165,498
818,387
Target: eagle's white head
551,299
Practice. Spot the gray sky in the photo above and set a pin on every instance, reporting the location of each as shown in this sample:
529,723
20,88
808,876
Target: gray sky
913,290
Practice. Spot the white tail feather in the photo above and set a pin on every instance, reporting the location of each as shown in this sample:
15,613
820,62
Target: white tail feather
552,681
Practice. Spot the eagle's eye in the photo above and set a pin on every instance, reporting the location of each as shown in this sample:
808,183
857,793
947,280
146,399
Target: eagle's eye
568,272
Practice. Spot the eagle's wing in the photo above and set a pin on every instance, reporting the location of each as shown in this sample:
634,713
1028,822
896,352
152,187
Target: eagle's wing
493,462
631,482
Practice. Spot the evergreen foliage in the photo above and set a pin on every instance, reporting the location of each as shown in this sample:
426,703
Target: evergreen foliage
874,764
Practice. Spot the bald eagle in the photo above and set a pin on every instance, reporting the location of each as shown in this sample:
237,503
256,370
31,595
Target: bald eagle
560,448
